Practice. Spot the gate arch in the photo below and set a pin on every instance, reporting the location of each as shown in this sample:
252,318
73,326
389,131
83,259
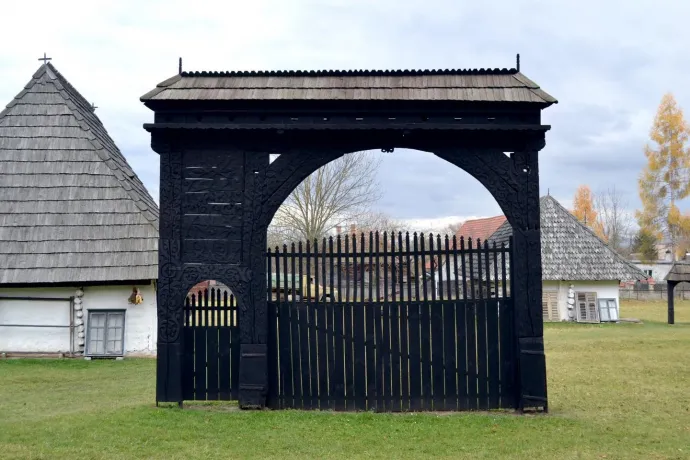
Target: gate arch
215,132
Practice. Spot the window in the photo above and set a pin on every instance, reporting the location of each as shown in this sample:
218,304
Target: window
608,310
648,273
587,311
106,333
549,306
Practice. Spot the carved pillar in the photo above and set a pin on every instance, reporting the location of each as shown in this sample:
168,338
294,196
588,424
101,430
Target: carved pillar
168,298
526,273
253,378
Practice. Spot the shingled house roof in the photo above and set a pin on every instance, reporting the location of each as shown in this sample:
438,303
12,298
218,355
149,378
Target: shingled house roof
72,209
570,250
474,85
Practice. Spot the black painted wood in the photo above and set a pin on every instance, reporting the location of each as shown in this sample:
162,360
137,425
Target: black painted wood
219,167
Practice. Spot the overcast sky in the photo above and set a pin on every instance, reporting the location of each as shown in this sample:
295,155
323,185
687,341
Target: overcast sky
608,62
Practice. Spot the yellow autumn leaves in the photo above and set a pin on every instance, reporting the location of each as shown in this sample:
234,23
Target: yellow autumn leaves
665,180
584,210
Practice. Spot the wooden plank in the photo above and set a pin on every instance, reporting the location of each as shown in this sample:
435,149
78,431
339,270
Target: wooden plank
461,330
378,330
506,347
200,363
284,332
394,308
224,385
425,328
482,352
235,361
313,334
328,308
449,337
303,318
437,354
470,324
294,335
188,364
338,374
492,339
404,331
212,363
360,356
386,332
413,326
493,354
348,342
321,339
370,337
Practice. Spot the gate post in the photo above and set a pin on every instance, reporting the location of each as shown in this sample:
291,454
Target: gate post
527,273
253,375
169,302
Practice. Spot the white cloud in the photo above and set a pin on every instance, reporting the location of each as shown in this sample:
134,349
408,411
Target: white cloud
616,56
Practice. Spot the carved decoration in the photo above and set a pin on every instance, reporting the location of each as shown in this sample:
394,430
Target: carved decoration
219,194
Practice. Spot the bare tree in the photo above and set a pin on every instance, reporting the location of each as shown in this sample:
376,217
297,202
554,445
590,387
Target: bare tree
614,218
339,192
452,229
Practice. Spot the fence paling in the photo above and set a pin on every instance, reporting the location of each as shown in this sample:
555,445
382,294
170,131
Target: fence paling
386,343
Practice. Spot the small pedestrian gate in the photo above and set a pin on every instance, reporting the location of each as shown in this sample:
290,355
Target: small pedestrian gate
393,326
211,346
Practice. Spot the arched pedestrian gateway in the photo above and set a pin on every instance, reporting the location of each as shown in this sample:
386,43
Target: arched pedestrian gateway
214,132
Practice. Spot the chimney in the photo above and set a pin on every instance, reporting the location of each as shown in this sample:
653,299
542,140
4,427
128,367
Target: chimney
338,230
353,228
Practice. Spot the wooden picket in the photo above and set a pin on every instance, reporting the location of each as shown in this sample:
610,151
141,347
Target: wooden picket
390,323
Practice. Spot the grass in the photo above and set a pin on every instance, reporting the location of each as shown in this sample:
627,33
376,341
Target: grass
616,392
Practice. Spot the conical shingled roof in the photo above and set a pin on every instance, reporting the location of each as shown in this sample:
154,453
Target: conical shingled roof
571,251
72,209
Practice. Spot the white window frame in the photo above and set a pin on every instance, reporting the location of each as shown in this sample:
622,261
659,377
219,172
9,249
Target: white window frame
105,329
605,311
586,302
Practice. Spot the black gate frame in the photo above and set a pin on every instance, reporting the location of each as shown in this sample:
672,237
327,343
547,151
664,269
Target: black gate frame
230,141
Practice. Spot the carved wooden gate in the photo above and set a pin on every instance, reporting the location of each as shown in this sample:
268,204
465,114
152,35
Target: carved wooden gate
210,368
391,326
219,191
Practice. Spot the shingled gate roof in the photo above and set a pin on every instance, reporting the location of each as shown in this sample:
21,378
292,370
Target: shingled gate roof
571,251
72,209
473,85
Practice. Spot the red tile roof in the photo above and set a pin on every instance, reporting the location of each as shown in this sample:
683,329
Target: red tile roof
480,228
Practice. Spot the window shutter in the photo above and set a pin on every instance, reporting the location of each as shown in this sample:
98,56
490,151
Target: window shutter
549,306
554,307
587,310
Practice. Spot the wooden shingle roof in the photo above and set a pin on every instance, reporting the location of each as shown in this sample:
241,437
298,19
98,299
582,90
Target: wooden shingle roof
571,251
680,272
72,208
475,85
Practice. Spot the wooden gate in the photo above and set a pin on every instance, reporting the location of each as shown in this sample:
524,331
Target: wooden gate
393,326
211,346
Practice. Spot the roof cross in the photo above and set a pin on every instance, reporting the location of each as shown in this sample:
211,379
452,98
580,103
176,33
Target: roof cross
93,106
45,59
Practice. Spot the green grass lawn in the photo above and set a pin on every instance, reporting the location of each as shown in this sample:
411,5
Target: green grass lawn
615,391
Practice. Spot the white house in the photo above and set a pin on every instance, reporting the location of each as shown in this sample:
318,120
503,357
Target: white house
78,231
581,274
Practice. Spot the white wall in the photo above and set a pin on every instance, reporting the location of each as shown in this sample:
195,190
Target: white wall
604,290
140,320
35,339
659,269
